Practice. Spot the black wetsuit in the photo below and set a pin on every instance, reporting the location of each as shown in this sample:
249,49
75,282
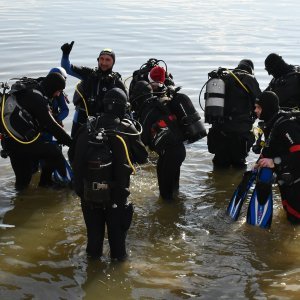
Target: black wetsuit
24,157
117,214
157,119
283,141
286,86
231,140
93,86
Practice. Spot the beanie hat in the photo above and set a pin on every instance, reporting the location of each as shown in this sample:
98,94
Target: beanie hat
115,102
109,52
269,102
247,65
52,83
157,75
59,70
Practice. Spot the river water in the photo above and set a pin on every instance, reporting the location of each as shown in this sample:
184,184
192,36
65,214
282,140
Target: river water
187,249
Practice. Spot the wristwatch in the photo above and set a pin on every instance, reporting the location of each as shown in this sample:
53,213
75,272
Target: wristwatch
277,160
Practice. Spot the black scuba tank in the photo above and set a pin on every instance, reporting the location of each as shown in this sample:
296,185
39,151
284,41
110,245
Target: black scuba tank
99,172
189,119
214,100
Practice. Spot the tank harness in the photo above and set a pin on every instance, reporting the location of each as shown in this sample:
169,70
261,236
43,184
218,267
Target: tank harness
98,179
215,95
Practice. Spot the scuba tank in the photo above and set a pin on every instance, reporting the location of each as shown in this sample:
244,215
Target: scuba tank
214,100
188,118
98,174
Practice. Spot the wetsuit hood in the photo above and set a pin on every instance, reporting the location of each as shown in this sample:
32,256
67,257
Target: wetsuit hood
269,102
52,83
246,65
276,66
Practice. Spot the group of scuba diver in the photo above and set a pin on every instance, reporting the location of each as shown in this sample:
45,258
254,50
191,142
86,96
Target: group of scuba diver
115,128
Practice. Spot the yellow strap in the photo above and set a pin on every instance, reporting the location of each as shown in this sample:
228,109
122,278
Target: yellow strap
127,154
236,78
258,132
16,139
84,102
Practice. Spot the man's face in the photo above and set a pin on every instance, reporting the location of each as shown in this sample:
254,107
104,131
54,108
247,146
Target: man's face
57,93
105,62
258,110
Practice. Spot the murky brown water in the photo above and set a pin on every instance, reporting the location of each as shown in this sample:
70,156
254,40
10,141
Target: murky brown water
187,249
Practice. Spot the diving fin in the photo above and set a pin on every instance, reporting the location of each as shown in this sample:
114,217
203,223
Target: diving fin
240,194
260,209
64,179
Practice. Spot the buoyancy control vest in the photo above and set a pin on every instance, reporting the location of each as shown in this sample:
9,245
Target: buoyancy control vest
288,169
287,88
89,93
159,125
16,121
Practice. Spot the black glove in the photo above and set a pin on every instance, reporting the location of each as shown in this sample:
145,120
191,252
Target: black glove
66,48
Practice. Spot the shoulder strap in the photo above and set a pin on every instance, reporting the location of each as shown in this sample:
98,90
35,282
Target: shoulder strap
238,80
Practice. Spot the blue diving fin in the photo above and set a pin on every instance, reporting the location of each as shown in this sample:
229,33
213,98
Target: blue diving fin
260,210
240,194
66,179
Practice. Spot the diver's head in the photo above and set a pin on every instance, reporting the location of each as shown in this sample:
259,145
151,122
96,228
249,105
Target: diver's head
275,65
53,84
157,77
115,102
266,105
140,93
106,59
246,65
59,70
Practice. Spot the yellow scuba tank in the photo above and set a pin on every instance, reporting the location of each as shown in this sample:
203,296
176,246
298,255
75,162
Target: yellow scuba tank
189,119
214,100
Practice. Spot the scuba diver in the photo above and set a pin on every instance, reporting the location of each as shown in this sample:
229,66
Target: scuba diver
58,105
286,81
169,119
102,158
281,151
88,97
59,110
161,133
25,114
179,104
229,107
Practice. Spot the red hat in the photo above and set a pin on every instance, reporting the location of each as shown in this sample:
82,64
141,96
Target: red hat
157,75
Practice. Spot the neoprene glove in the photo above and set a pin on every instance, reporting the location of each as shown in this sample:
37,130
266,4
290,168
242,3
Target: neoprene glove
66,48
